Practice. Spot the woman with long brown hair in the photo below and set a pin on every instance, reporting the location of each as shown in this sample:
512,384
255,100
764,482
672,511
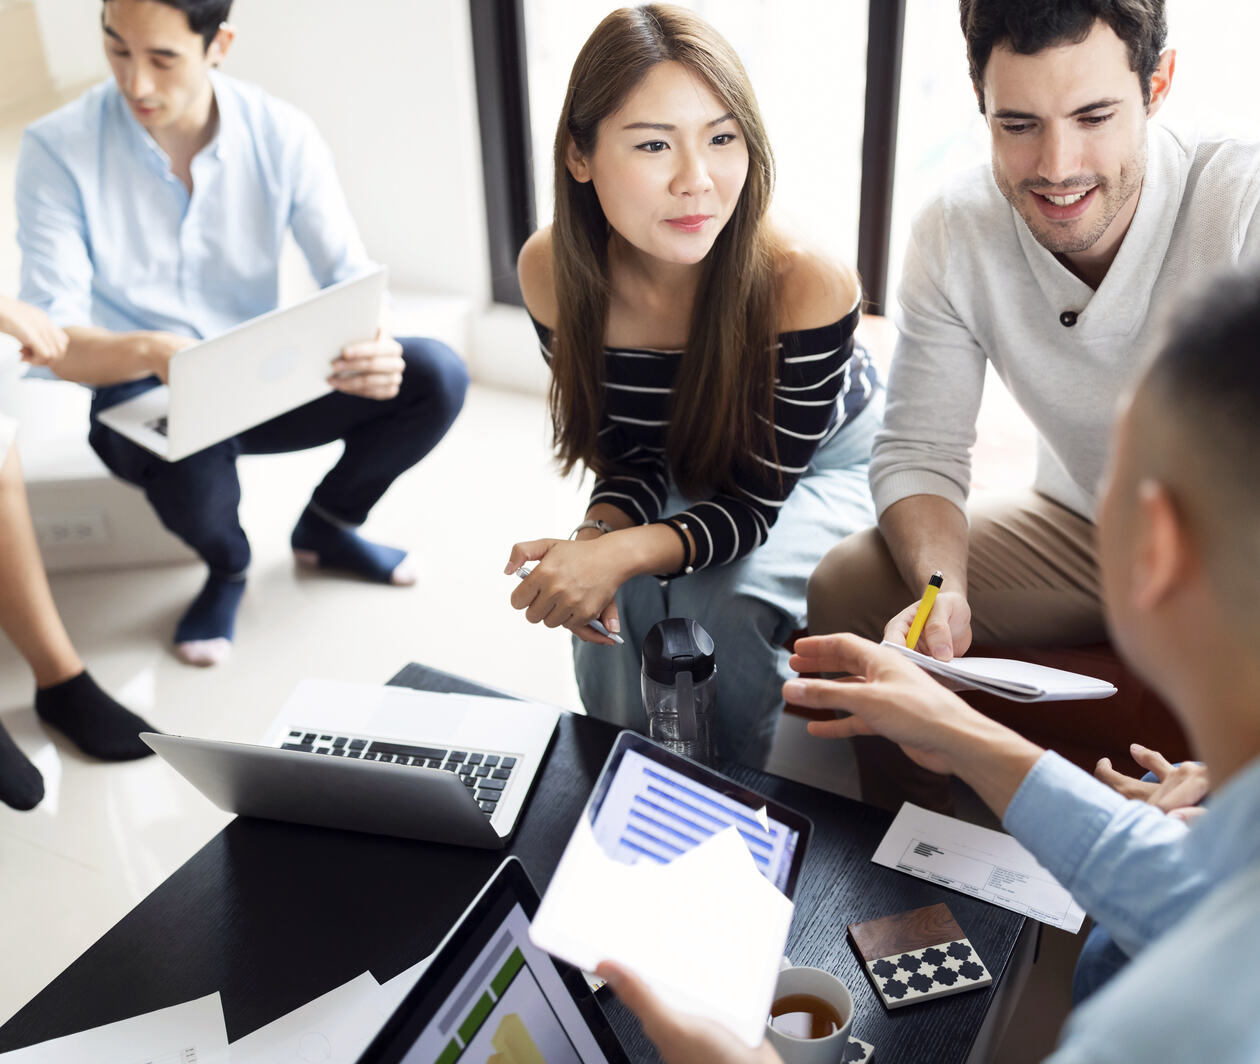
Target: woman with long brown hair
703,367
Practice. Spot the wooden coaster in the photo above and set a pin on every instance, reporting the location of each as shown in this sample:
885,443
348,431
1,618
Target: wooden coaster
918,955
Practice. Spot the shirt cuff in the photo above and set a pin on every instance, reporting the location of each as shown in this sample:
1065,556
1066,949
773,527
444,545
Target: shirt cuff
890,488
1059,813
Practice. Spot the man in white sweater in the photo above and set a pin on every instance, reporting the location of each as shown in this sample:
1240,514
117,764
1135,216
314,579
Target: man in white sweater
1057,267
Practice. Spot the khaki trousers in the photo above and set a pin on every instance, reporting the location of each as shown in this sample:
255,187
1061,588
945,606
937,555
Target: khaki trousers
1032,580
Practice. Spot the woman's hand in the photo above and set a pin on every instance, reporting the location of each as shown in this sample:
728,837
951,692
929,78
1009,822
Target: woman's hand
572,584
42,342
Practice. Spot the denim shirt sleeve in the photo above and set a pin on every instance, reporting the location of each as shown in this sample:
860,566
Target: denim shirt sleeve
52,234
1122,860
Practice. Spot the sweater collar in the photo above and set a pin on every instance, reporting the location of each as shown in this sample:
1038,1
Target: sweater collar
1121,303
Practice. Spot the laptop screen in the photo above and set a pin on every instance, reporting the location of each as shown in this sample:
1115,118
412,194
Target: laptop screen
491,994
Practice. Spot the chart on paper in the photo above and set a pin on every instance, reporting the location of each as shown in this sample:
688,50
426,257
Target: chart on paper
986,864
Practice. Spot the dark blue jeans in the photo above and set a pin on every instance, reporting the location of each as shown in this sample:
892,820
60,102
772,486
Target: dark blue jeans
197,498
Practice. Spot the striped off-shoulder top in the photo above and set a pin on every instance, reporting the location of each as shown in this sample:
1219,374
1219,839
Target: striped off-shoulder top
823,381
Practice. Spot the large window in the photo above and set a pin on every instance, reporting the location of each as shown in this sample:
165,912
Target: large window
941,130
808,62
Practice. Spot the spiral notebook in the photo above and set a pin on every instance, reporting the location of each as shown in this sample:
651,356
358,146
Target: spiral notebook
1021,681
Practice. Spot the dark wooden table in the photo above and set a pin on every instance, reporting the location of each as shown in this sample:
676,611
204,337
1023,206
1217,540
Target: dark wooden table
273,915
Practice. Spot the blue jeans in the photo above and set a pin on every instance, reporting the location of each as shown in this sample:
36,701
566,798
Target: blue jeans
197,497
749,607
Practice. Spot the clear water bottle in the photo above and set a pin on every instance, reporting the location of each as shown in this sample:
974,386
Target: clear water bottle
680,687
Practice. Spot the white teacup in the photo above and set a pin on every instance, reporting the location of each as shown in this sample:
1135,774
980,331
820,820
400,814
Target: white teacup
816,983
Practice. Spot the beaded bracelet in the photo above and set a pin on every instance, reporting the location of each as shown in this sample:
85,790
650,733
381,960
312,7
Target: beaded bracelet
679,526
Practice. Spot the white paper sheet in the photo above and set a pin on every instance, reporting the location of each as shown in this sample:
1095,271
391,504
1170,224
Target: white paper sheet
986,864
390,994
706,931
1021,681
333,1029
191,1033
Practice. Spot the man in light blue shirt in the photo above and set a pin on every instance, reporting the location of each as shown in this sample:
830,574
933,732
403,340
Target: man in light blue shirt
1180,560
151,213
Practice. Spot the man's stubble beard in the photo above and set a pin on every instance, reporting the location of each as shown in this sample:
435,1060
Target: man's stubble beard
1113,200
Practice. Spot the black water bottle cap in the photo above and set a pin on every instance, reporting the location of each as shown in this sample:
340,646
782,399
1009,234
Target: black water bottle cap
678,644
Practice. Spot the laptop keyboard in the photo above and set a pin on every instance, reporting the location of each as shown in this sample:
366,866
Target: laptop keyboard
485,775
158,425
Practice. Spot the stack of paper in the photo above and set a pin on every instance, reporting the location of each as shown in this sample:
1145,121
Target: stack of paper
191,1033
706,932
335,1028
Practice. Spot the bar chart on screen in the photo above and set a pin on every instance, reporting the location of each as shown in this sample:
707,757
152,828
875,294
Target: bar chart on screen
652,812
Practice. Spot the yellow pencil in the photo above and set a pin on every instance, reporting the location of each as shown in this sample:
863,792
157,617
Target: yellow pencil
925,607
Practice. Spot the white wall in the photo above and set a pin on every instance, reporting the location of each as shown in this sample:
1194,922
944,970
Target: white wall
71,32
390,83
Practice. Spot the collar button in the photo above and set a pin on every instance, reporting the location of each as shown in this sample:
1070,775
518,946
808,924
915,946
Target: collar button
1067,319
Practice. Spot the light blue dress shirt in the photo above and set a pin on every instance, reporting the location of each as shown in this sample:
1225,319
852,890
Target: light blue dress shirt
110,237
1184,902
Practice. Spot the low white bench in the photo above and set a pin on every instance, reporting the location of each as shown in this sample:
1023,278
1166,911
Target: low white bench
84,517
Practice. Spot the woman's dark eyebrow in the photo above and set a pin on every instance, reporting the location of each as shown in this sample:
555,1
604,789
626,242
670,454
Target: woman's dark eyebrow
667,128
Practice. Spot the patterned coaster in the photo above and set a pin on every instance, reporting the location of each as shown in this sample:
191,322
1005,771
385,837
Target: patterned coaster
918,955
858,1052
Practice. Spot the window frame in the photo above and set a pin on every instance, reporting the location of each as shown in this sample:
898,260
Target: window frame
499,58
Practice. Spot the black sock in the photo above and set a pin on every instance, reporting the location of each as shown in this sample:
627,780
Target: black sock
21,785
93,721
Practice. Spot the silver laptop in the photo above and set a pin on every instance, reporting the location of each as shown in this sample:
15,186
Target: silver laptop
387,760
258,370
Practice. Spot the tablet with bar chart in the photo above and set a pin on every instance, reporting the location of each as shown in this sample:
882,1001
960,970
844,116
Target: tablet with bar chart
651,804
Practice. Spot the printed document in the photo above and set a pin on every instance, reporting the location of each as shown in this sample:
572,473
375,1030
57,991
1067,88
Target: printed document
986,864
191,1033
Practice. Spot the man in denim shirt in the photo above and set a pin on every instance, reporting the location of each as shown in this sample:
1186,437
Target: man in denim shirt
1179,548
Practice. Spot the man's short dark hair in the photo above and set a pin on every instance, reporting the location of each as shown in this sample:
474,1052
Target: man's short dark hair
1203,426
204,16
1030,26
1209,368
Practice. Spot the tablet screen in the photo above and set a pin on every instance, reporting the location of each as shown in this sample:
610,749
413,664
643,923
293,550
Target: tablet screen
490,994
509,1004
653,811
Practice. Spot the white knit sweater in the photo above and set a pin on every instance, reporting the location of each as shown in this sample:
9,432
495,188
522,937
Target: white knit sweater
978,286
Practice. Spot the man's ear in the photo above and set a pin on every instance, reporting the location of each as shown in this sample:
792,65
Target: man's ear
221,44
1163,549
575,163
1161,80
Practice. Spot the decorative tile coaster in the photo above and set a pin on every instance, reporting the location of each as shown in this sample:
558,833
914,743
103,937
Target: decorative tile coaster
858,1052
918,955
